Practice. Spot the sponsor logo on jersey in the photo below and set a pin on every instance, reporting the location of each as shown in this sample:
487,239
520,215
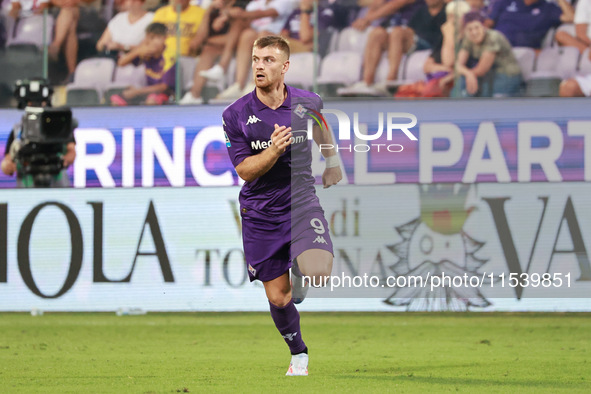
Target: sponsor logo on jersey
296,139
320,240
290,337
252,119
228,144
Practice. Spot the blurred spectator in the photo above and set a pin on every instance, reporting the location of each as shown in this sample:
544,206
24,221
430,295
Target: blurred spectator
127,29
579,86
265,17
65,36
160,69
440,64
582,28
390,12
476,5
423,32
525,23
299,28
24,8
191,17
497,71
216,37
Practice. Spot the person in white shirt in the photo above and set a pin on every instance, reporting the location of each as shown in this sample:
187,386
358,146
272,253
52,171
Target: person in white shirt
127,29
266,17
582,28
24,8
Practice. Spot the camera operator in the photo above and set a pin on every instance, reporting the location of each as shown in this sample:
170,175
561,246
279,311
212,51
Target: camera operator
41,147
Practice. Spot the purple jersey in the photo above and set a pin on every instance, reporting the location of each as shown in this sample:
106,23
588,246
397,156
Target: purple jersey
523,25
159,70
248,125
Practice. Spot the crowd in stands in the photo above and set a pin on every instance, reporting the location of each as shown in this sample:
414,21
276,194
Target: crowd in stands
379,48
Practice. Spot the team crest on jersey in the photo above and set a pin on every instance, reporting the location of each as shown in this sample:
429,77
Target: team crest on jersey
300,111
251,269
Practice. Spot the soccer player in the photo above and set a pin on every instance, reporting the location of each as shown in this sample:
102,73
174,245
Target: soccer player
283,225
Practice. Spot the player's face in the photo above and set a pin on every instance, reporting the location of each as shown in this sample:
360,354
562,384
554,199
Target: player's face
269,64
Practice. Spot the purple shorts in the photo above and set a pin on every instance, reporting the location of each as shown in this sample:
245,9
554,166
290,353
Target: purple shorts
269,248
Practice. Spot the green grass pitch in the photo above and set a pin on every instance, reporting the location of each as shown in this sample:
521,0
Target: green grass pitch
242,352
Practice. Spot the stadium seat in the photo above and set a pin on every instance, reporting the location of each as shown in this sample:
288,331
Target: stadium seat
91,75
548,41
526,58
544,81
125,76
187,64
97,72
351,39
29,30
301,69
83,97
332,70
414,66
20,61
568,62
585,63
130,75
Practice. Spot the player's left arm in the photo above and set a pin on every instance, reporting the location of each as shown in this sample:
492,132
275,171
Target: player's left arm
332,173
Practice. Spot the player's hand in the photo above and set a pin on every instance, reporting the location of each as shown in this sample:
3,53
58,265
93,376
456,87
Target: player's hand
331,176
281,139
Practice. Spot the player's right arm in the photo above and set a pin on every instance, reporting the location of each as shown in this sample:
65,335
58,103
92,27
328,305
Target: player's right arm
258,165
248,166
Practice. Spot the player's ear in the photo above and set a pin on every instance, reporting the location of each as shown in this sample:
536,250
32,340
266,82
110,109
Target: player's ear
285,67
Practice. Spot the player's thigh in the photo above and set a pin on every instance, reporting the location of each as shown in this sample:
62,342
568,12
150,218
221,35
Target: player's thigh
278,290
311,244
315,263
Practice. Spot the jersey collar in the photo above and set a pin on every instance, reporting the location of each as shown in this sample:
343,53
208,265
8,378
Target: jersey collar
260,106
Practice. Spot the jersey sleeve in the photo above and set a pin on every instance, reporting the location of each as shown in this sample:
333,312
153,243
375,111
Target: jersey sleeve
236,142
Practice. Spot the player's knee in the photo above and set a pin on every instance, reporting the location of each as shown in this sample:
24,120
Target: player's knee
280,300
319,273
